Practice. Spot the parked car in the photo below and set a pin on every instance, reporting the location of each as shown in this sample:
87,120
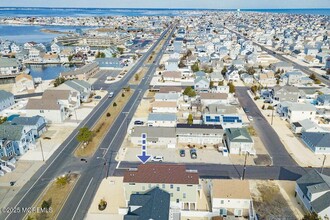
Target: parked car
193,154
326,77
138,122
157,158
246,110
225,152
182,153
97,97
110,95
250,118
268,101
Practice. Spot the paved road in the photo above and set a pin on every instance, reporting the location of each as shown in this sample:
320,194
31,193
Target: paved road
222,171
264,130
282,58
91,173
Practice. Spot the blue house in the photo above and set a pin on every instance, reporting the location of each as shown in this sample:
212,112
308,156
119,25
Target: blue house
21,137
318,142
36,124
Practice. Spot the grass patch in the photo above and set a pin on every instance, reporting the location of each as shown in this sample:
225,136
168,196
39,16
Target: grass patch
54,197
270,204
103,125
140,74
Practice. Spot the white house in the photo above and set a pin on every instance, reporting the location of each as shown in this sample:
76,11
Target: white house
162,120
231,198
213,98
238,141
156,136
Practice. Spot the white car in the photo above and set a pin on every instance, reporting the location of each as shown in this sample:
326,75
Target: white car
110,95
250,118
157,158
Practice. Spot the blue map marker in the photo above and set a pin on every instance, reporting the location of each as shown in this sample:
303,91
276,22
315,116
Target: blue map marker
144,157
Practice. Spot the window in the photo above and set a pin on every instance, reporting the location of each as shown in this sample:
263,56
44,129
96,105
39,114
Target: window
171,186
163,186
222,202
184,195
41,111
171,194
149,186
177,200
178,189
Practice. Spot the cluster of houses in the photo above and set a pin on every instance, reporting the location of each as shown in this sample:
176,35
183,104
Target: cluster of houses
307,110
177,193
294,35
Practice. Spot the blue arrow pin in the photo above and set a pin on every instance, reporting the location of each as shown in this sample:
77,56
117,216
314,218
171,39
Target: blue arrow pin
144,157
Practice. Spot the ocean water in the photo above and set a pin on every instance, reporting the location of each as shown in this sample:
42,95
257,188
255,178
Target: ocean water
77,12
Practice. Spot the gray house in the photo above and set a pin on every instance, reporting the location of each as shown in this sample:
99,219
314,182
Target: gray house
318,142
285,93
313,192
154,204
6,99
201,84
323,100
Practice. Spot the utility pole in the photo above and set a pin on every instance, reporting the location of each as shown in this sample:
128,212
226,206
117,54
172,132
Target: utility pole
325,157
272,116
244,168
42,151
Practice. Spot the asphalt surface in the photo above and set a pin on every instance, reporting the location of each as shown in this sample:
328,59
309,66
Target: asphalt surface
92,172
268,136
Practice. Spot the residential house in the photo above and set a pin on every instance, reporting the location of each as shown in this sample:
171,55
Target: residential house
55,105
285,93
162,119
164,107
24,82
83,88
172,64
282,66
213,98
225,115
83,73
199,134
231,198
216,77
6,99
174,76
56,48
238,141
323,100
306,125
294,112
246,78
152,204
156,136
201,84
182,185
36,54
9,66
311,59
266,78
167,97
6,149
318,142
313,192
36,124
21,137
232,75
170,89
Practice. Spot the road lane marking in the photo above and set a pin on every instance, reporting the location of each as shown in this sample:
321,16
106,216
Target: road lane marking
82,198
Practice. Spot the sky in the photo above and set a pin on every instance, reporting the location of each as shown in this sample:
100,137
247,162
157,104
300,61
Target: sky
210,4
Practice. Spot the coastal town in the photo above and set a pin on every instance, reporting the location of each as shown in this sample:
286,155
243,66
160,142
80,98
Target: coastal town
215,115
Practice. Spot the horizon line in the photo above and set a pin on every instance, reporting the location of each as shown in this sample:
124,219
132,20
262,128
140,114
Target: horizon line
42,7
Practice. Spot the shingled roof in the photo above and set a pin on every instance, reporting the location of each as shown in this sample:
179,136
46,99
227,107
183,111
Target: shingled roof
161,173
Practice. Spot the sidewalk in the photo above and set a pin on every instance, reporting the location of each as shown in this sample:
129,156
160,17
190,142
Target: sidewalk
299,152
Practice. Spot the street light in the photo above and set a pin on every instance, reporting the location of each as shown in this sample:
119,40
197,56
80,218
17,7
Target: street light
104,165
244,168
325,157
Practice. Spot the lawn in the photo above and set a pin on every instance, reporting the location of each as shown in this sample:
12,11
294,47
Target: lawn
54,197
103,125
